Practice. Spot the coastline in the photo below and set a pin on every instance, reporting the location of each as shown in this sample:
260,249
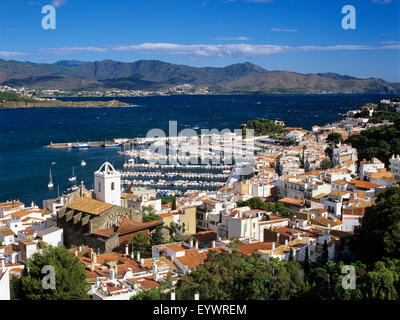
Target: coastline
59,103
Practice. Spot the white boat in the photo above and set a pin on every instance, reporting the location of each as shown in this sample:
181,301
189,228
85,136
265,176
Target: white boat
50,184
73,178
82,146
83,163
112,145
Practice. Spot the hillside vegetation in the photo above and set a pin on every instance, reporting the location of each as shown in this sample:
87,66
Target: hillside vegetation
153,74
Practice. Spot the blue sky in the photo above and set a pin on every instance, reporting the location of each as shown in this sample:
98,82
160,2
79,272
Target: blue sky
296,35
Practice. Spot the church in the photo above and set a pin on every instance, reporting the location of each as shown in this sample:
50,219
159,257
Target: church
96,218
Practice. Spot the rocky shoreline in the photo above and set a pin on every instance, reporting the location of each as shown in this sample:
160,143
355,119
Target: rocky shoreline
59,103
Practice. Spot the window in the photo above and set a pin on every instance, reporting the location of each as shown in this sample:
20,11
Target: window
112,186
99,187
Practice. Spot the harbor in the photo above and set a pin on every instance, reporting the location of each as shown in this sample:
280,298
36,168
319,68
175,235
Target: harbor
175,164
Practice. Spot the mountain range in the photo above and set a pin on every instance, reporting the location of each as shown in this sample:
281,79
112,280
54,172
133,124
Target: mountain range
153,74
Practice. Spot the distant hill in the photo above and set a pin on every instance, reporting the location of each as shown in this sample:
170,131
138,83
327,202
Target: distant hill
153,74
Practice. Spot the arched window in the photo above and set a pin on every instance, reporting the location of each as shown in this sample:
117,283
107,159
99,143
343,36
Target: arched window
99,186
112,186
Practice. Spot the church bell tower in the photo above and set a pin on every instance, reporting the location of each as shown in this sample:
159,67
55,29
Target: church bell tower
107,184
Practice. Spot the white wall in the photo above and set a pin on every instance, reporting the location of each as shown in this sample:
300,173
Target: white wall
4,285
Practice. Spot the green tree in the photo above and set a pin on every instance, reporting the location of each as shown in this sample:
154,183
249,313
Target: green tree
274,207
234,243
380,142
149,214
151,294
325,253
70,276
334,138
15,288
173,207
234,276
326,164
174,231
306,266
379,233
263,126
156,236
141,242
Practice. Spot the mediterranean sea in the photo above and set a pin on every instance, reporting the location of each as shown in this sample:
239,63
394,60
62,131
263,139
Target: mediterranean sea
25,162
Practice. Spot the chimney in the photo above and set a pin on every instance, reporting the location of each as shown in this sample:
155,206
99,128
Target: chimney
213,244
126,250
277,237
94,257
273,245
116,270
197,245
112,274
3,266
142,262
172,295
80,248
191,243
196,296
138,256
286,242
76,252
91,253
92,266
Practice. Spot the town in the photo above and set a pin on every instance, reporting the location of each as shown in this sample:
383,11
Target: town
302,202
37,94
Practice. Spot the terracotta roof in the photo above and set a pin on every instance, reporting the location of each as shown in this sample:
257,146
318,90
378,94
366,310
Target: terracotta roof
129,226
340,181
145,282
108,232
292,201
206,235
325,221
90,205
364,184
6,231
193,258
249,248
166,214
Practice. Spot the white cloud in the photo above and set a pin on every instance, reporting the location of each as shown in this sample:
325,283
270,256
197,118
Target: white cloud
232,39
8,54
204,50
59,3
70,50
389,42
284,30
235,50
381,1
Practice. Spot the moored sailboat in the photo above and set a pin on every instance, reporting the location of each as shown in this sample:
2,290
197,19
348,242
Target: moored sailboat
50,185
72,178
